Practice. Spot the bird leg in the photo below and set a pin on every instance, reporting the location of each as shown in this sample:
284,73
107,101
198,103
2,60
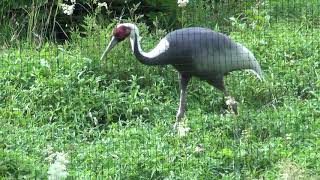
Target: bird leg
218,83
184,80
231,103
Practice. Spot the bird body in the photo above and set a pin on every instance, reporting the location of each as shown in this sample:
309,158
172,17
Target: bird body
200,52
193,51
205,53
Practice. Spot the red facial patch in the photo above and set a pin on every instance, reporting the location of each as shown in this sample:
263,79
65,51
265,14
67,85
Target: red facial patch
121,32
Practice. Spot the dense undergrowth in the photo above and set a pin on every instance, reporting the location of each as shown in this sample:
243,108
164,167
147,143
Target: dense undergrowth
114,119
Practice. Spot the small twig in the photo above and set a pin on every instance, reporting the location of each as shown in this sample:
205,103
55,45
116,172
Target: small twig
62,29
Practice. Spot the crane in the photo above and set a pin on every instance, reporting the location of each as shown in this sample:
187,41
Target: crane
193,51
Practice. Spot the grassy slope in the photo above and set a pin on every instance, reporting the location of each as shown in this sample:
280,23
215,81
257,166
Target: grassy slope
116,119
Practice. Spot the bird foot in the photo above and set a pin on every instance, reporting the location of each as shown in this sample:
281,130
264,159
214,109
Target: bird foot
179,116
177,123
181,128
232,105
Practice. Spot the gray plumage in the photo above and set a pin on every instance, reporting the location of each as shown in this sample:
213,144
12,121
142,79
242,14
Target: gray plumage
203,53
192,51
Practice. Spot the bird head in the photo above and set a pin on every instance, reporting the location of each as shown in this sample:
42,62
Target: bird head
120,33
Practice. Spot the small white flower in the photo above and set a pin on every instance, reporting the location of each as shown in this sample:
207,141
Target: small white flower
44,63
68,9
104,4
183,3
58,169
73,1
199,149
288,136
48,150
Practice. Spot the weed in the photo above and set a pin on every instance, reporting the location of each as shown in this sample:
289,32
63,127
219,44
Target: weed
115,118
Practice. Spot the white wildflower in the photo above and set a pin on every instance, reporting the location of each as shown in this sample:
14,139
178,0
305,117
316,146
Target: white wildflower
182,129
44,63
73,1
48,150
58,169
290,170
68,9
199,149
288,136
183,3
104,4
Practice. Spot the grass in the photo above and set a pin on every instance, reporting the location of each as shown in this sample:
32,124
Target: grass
114,119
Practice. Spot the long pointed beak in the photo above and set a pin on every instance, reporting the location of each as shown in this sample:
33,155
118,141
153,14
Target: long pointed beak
111,45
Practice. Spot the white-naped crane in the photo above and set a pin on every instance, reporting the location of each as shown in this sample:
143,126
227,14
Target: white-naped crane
193,51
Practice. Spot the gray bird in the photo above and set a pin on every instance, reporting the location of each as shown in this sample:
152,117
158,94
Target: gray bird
193,51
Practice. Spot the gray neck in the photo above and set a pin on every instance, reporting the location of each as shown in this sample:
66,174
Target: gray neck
151,58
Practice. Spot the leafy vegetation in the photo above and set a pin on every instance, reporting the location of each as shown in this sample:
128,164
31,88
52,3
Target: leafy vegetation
114,119
40,20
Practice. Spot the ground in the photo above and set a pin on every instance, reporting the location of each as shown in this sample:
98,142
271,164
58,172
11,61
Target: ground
114,119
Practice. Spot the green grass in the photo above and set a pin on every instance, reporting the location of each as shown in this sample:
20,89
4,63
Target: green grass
115,119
